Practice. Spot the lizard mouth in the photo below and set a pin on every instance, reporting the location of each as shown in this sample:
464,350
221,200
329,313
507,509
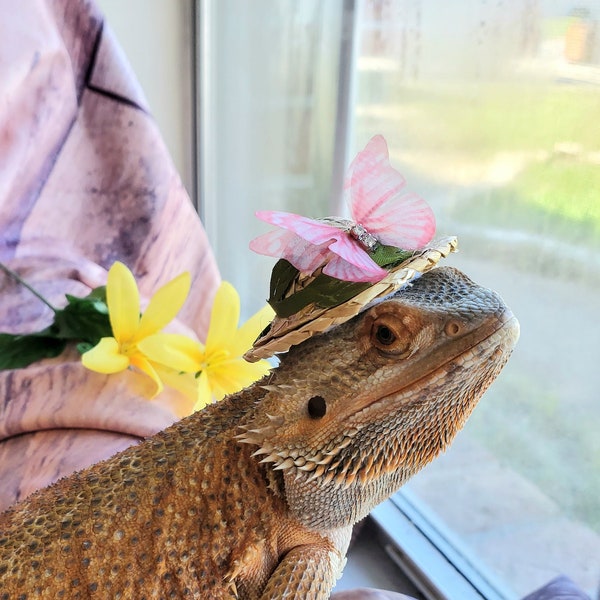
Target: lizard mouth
452,388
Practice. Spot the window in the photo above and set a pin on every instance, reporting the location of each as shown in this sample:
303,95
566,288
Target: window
491,112
269,86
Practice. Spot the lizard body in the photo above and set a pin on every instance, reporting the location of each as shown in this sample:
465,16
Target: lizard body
255,497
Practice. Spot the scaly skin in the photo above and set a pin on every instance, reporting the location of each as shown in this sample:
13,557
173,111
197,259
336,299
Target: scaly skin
255,497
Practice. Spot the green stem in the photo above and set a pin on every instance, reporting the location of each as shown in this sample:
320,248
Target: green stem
16,277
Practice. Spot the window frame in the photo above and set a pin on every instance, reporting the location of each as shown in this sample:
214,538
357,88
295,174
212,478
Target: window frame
430,555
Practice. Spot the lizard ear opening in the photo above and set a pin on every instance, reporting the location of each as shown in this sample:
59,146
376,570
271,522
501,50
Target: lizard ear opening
317,407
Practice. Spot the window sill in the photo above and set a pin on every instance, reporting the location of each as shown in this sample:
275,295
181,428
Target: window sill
429,555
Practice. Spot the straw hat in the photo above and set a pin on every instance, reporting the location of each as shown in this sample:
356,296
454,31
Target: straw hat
286,331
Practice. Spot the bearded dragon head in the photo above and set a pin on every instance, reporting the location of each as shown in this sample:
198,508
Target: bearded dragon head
351,414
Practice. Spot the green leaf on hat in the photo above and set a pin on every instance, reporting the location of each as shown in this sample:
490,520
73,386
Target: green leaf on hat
324,291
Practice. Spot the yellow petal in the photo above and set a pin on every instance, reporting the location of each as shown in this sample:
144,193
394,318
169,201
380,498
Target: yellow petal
250,330
144,365
185,383
224,318
175,351
205,396
104,357
164,305
123,300
234,375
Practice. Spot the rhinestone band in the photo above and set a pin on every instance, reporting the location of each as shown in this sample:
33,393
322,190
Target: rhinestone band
364,238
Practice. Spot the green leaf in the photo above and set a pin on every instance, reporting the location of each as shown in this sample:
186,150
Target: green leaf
84,319
390,256
98,293
324,291
83,347
18,351
282,276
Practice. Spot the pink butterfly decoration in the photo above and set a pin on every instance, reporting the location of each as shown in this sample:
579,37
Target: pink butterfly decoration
382,211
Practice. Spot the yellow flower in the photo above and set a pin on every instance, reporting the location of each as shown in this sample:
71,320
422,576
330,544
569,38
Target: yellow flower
218,366
114,354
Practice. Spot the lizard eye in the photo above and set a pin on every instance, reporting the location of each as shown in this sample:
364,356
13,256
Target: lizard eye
384,335
317,407
390,335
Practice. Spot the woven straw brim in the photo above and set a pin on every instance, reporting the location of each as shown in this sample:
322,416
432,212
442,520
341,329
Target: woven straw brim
284,333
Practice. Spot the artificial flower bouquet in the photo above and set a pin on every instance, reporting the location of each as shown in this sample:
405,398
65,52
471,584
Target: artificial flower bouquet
113,335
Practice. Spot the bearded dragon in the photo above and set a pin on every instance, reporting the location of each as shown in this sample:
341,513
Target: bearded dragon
255,496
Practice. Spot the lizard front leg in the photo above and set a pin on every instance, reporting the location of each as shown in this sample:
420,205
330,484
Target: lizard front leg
305,573
309,571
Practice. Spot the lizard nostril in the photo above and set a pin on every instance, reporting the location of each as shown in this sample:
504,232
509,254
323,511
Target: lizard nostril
453,328
317,407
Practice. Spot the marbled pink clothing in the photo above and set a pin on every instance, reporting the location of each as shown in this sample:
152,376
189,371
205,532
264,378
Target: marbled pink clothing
85,179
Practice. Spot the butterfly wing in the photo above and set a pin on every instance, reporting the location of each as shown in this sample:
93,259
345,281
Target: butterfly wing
379,202
352,263
301,241
305,256
310,230
307,244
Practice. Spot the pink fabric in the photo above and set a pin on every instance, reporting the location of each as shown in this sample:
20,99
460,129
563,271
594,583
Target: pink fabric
85,179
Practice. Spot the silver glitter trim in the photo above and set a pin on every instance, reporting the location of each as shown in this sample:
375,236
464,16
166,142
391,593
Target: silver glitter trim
363,237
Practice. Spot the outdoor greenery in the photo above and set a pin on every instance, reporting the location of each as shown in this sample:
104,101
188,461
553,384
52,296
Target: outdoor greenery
559,198
551,130
483,121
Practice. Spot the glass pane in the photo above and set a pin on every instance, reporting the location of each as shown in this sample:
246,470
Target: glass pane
491,111
272,71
